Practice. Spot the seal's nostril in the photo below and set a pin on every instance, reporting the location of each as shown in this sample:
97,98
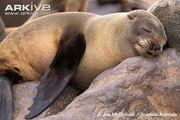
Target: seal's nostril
157,47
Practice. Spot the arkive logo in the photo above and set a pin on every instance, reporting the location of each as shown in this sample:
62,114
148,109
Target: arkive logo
29,7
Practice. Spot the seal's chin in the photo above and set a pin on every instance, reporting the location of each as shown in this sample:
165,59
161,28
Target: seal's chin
150,54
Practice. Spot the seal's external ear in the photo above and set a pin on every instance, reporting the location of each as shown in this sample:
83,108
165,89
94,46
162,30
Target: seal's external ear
60,72
6,103
131,16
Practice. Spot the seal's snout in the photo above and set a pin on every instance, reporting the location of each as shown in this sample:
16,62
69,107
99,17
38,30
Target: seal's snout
150,47
156,50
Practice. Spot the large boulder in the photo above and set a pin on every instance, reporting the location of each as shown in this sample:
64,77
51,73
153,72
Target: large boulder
139,88
168,12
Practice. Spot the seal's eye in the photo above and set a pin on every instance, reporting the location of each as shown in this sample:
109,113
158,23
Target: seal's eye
157,47
147,30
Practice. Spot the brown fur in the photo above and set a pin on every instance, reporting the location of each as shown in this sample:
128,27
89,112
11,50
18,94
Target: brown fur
110,39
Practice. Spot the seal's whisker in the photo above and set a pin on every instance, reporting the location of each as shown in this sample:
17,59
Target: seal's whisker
145,43
144,46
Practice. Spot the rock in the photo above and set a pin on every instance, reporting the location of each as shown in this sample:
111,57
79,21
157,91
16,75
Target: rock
22,95
129,5
23,98
2,30
168,12
139,88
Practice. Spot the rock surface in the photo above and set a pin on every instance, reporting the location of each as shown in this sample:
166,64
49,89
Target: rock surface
23,98
2,30
168,12
139,88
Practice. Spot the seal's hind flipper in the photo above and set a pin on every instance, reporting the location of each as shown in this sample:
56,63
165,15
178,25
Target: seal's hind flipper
59,73
6,103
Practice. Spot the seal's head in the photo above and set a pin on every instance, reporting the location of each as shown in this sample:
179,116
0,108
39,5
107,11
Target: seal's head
150,37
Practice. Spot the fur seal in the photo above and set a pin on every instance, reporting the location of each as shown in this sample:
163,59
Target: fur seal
77,46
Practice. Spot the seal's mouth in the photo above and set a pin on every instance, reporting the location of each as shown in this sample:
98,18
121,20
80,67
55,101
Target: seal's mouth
151,54
150,48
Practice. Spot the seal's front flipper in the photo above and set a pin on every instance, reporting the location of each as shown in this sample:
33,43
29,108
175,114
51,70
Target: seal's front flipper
6,102
60,72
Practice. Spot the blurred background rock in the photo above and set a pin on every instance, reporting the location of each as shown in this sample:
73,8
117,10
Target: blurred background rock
101,7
